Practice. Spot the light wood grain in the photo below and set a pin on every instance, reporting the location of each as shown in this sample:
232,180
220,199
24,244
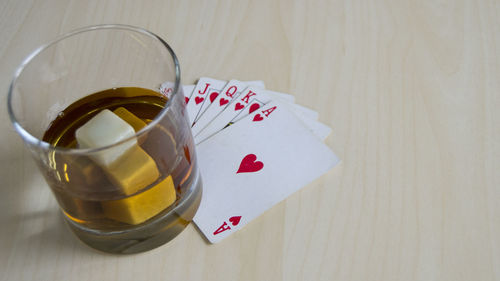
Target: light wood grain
410,88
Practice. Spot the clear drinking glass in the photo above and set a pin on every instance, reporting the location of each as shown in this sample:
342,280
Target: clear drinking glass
124,207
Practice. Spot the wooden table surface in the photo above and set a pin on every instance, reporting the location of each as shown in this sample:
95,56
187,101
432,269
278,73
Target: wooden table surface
410,88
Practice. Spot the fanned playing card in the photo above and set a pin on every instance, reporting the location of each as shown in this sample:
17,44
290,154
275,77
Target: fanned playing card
214,97
254,164
231,90
255,147
248,101
200,96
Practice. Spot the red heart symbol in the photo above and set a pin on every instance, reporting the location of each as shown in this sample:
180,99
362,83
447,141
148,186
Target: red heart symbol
254,107
213,96
198,100
250,165
186,99
223,101
257,117
235,220
238,106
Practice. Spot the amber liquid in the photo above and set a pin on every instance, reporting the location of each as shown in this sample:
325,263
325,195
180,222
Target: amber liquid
81,185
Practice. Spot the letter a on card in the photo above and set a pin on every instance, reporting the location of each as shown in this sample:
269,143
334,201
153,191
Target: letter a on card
222,228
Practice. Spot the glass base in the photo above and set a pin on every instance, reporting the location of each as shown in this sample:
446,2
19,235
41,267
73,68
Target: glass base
147,236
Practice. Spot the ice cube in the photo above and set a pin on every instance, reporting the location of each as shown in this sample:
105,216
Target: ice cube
142,206
104,129
127,165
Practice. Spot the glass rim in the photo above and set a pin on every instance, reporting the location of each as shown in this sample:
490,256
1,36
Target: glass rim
34,141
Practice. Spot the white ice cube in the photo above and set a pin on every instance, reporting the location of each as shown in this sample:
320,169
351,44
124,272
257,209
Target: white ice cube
104,129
